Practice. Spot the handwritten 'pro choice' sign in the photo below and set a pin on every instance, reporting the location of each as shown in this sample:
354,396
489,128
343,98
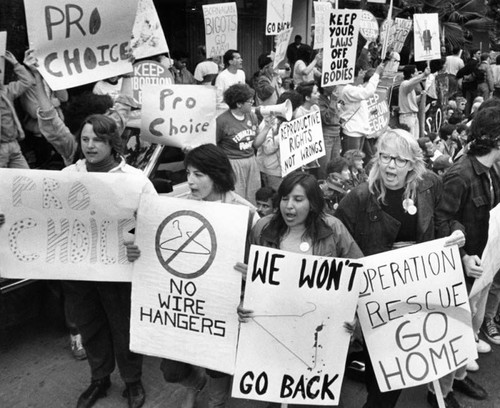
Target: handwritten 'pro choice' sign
294,348
67,225
221,28
184,290
415,314
179,115
80,42
301,142
339,46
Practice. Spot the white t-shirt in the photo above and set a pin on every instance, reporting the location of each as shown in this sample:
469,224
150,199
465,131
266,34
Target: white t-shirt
224,80
205,68
105,88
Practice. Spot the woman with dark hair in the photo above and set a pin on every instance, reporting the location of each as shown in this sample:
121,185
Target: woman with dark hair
305,68
239,135
101,310
395,208
210,177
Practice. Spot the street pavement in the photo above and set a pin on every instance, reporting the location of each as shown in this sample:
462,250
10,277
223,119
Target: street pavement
38,370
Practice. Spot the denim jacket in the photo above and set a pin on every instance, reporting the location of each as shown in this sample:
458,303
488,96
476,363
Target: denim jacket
374,230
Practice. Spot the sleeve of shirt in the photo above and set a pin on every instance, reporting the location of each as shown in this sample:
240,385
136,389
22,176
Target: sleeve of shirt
359,93
25,81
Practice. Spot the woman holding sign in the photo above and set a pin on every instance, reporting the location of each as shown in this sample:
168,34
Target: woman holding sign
101,310
239,135
211,178
395,209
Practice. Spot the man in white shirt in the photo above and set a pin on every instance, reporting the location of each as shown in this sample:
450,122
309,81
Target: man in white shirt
453,62
207,69
232,74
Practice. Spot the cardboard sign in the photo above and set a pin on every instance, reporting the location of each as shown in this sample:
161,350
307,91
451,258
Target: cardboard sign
368,26
184,290
380,113
426,37
149,73
278,16
147,35
402,28
80,43
221,28
321,9
67,225
282,40
415,314
301,142
3,47
339,47
294,348
179,115
387,30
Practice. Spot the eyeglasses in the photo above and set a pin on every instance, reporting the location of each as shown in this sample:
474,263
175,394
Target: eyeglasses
386,159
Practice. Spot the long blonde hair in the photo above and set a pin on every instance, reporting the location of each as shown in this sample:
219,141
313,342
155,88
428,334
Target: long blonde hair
407,148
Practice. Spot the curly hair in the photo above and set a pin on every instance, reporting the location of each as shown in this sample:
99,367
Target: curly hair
408,148
484,131
107,129
212,161
316,201
238,93
82,106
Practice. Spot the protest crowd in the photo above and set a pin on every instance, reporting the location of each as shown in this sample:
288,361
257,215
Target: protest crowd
352,192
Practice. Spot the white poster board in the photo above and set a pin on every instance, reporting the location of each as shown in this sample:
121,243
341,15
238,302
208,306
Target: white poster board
184,289
339,47
402,28
67,225
147,35
278,16
178,115
294,348
415,315
321,9
301,142
368,26
282,40
149,72
78,43
3,47
221,28
426,37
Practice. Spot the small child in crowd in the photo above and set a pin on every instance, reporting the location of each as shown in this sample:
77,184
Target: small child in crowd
355,159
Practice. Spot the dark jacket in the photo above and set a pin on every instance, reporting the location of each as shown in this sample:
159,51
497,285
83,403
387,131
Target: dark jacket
374,230
333,238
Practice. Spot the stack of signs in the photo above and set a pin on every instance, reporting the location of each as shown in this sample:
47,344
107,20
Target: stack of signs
415,315
278,16
293,349
221,28
184,289
80,43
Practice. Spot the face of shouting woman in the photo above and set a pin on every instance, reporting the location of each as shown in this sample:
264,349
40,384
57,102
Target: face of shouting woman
394,168
295,207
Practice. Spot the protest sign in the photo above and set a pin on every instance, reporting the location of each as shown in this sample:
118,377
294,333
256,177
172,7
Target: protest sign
321,9
149,73
184,289
368,26
80,43
415,314
67,225
3,47
301,142
387,35
278,16
294,348
379,111
221,28
402,28
282,40
178,115
374,1
339,47
426,37
147,35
